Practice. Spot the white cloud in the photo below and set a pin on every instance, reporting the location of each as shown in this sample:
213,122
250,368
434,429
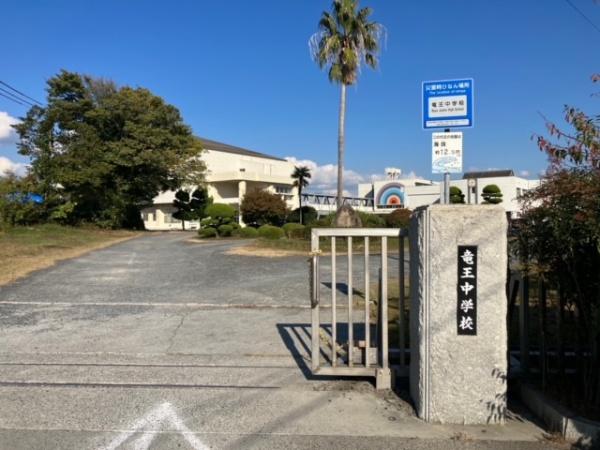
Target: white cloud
7,132
6,165
524,173
324,177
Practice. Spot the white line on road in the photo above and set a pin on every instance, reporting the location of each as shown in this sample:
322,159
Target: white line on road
149,426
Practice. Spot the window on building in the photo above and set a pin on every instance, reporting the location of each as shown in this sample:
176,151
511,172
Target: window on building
284,190
148,217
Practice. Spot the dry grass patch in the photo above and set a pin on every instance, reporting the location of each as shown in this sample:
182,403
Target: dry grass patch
256,249
25,249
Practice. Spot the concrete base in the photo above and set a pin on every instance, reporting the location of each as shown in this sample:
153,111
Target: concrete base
454,378
384,379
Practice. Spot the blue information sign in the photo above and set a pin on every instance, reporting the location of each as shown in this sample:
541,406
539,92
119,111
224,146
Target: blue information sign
448,103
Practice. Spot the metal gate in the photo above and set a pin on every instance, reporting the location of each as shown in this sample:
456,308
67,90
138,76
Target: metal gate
364,349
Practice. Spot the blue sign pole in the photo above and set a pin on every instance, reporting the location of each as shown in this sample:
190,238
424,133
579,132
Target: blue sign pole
448,104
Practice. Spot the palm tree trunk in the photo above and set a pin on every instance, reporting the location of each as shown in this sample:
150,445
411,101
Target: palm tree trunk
300,199
341,142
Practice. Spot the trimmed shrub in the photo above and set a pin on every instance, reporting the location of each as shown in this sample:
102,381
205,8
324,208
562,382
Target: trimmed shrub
219,214
456,195
208,232
270,232
248,232
225,230
399,218
492,194
309,214
294,230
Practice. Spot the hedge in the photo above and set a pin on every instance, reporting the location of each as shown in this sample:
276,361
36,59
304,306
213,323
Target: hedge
208,232
248,232
270,232
225,230
294,230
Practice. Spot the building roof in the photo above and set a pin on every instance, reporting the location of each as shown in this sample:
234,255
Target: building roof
489,174
220,147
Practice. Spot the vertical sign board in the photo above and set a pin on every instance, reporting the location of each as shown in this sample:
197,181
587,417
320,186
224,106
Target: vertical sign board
466,311
448,103
447,152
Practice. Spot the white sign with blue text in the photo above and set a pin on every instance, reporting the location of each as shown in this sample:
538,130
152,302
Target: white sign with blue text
447,152
448,103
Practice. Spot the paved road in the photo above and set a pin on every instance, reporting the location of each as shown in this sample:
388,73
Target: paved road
162,343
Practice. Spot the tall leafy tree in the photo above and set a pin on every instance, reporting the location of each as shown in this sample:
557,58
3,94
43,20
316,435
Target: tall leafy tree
109,149
301,175
345,40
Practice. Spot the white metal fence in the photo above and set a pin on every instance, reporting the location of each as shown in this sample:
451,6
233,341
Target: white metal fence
358,357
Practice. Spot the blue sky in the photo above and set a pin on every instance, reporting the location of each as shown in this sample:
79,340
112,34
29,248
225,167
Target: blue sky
240,72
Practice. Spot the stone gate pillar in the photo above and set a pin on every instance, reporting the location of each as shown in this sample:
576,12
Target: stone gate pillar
458,329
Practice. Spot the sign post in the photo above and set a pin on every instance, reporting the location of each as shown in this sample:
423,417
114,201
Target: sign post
447,104
446,157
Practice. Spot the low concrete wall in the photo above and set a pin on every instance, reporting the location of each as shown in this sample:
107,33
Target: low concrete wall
560,419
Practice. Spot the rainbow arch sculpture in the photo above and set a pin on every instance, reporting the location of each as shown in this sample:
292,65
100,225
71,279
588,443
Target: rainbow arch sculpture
390,195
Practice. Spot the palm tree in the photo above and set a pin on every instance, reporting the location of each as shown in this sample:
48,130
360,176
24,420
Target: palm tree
346,38
301,175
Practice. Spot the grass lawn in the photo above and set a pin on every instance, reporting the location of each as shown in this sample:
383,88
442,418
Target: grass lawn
25,249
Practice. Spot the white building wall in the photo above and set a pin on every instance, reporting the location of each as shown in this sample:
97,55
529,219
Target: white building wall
228,177
417,193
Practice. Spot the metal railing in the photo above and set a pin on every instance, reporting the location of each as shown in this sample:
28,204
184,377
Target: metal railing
372,361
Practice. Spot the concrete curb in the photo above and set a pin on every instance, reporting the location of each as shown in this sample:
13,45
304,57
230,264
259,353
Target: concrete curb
558,418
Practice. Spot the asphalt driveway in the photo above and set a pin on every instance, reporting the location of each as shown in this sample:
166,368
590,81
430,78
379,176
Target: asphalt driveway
162,343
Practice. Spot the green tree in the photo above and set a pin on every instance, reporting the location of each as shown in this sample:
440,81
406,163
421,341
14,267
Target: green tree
492,194
19,204
346,39
456,195
190,207
261,207
109,150
559,240
301,175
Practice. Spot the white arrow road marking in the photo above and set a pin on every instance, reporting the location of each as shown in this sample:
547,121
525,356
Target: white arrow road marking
149,426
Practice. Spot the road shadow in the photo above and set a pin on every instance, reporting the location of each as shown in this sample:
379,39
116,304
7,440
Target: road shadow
297,339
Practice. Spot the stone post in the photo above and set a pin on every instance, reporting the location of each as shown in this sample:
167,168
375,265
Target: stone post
458,308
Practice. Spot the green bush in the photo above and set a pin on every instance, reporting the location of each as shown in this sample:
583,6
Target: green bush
261,207
294,230
456,195
371,220
399,218
225,230
208,232
219,214
270,232
248,232
492,194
